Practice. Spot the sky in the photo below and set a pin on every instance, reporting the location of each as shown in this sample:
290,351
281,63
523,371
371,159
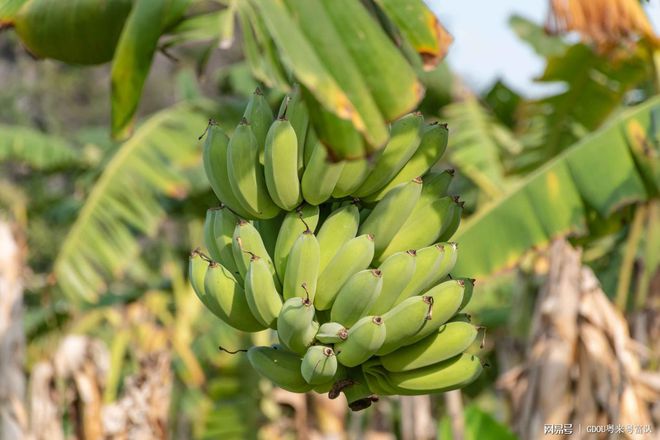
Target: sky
486,49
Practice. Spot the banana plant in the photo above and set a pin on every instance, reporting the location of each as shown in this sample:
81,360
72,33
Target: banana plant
358,84
596,177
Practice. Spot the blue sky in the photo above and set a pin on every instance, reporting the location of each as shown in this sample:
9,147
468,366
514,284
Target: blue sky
485,48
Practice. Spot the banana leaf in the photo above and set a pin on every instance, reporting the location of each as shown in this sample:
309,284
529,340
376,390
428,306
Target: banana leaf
36,149
597,174
126,202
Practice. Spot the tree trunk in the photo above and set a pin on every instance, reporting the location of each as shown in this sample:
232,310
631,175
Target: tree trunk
13,417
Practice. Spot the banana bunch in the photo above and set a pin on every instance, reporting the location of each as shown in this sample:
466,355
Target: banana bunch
272,164
347,263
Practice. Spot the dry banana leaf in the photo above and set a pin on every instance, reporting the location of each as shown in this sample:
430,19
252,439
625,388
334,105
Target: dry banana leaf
598,172
420,27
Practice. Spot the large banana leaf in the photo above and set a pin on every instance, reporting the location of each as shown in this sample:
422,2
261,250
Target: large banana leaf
125,201
598,173
34,148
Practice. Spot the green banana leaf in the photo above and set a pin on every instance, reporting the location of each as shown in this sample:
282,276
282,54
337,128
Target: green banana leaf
36,149
8,9
132,61
597,173
125,203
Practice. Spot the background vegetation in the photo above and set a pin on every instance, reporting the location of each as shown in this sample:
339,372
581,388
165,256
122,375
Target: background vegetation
103,226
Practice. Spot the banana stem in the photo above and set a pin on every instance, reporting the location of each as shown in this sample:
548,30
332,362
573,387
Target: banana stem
628,263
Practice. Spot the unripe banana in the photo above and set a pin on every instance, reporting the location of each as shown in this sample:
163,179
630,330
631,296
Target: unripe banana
404,140
320,176
246,241
447,298
262,296
279,366
214,156
319,365
331,333
281,165
467,293
218,232
269,230
391,213
446,264
436,185
353,257
336,230
197,267
404,321
454,220
447,375
364,339
450,340
209,239
356,297
246,174
397,272
427,262
430,150
296,327
352,176
226,299
302,268
296,111
422,228
260,117
294,224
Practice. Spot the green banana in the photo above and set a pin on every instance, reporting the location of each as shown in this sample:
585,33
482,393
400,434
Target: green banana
356,297
214,156
294,107
447,375
405,320
246,175
353,174
245,241
391,213
364,339
209,239
311,141
446,264
423,227
447,298
427,262
336,230
450,227
302,268
262,296
397,272
467,294
431,148
451,339
331,333
436,185
296,327
279,366
319,365
197,267
353,257
404,140
218,233
294,224
281,165
269,230
226,299
260,117
320,176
